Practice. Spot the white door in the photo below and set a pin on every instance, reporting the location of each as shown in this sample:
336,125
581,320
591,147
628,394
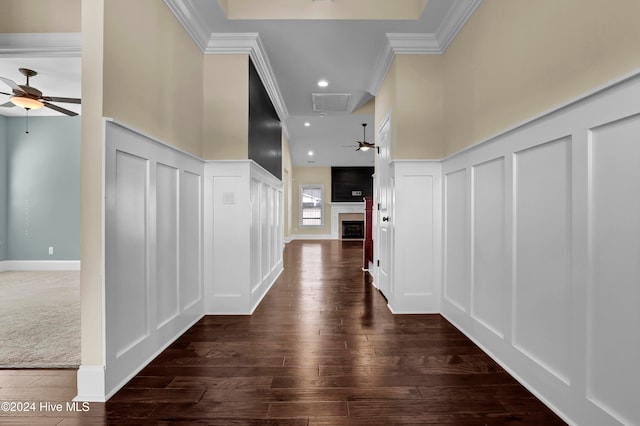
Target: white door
383,206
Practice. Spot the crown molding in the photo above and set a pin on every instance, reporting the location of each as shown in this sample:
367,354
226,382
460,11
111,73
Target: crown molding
401,43
251,44
422,43
230,43
186,14
40,44
414,43
453,22
382,67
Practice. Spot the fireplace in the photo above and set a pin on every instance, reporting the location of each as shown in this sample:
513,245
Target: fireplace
353,229
344,211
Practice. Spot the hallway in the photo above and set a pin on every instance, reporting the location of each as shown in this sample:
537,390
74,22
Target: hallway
321,349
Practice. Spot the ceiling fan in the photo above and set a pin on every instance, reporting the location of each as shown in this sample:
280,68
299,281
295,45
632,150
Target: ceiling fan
30,98
363,145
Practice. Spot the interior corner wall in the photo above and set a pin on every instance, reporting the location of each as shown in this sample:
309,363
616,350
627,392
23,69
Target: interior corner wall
419,108
3,187
43,196
153,73
501,69
226,107
412,93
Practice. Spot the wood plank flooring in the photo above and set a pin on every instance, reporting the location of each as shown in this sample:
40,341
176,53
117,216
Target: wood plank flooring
321,349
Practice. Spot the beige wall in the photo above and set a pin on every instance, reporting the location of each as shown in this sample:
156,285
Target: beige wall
40,16
419,105
412,92
226,107
296,9
287,187
152,73
91,207
139,67
311,176
515,59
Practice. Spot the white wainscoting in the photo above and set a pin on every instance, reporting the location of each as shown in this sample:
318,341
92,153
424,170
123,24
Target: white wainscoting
541,251
153,250
241,262
416,218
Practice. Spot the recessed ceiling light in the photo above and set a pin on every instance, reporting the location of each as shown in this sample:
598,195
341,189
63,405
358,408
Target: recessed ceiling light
310,153
307,124
323,83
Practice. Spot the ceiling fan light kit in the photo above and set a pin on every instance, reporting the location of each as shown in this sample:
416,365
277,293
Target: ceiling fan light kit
26,103
363,145
30,98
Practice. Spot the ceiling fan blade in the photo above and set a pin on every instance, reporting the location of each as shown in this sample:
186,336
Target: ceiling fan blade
60,109
7,105
12,84
4,93
57,99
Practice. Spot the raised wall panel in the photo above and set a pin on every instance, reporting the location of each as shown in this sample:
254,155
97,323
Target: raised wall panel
153,285
264,219
416,247
227,236
127,277
489,285
274,223
238,218
276,228
190,239
167,237
456,286
256,228
614,256
568,182
542,285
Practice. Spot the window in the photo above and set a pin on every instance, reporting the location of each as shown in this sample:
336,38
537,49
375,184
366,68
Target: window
311,205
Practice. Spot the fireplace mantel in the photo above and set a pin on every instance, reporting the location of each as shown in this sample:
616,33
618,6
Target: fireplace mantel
338,208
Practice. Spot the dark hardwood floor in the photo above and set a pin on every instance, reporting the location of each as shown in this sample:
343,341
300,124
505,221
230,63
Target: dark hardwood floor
321,349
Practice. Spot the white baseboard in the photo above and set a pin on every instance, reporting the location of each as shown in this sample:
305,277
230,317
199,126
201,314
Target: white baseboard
277,271
90,381
39,265
108,393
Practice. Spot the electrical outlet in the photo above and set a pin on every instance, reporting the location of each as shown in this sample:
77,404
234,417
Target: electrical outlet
50,251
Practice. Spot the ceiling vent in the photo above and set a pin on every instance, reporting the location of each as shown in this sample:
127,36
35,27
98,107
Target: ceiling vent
330,102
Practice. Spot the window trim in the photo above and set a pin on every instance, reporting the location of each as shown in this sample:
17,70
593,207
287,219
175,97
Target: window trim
300,208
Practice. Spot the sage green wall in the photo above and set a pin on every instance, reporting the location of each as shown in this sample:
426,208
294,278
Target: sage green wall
3,187
43,188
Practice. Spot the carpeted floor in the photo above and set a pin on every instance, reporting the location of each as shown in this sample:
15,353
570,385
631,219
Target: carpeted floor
40,319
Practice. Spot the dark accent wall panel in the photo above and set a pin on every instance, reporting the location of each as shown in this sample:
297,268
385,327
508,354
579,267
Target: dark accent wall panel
265,129
349,184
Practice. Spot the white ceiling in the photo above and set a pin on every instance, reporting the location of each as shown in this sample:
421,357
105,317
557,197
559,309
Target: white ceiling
352,55
349,54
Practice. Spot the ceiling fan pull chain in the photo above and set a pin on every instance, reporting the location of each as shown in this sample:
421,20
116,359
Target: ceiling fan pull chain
26,126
